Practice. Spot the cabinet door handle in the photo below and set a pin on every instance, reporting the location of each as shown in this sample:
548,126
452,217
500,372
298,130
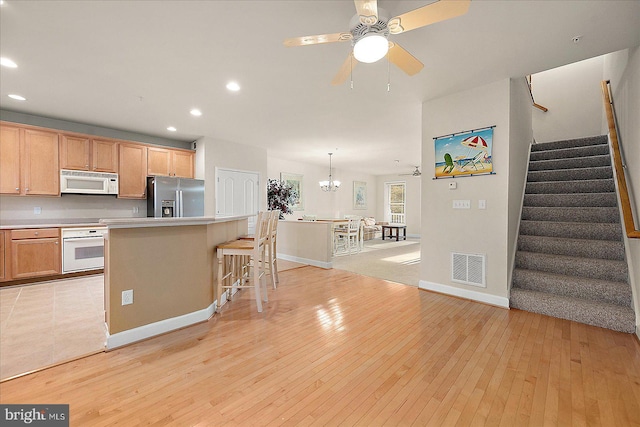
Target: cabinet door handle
36,233
17,188
56,242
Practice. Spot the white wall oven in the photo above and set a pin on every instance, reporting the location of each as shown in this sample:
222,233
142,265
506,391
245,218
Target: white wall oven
82,249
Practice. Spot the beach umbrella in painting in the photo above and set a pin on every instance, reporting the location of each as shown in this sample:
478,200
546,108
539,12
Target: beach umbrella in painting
475,142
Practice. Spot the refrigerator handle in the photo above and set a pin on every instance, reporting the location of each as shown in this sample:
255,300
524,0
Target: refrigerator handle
181,205
177,207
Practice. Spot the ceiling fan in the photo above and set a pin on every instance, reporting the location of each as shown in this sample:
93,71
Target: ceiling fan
369,31
414,173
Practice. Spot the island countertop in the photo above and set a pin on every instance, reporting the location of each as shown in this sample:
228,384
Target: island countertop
168,222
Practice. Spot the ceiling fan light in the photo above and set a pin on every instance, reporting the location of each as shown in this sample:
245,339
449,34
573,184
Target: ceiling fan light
371,48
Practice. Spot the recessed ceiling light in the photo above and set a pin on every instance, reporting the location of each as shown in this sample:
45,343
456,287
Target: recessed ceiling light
6,62
196,112
171,129
17,97
233,86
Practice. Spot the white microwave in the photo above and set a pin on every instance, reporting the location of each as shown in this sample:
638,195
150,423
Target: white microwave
81,182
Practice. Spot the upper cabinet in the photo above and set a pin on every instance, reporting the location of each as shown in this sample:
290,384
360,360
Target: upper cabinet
28,161
82,153
9,159
133,171
170,162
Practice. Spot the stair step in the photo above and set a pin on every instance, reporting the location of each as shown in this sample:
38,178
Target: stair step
567,187
608,215
593,313
603,172
573,163
572,200
617,293
564,153
602,269
572,230
570,143
600,249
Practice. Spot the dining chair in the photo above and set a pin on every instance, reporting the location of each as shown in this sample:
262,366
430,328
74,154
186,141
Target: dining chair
347,237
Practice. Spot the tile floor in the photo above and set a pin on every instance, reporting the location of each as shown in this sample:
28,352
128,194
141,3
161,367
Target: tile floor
50,322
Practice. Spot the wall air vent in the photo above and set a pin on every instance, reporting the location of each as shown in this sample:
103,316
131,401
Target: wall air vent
468,269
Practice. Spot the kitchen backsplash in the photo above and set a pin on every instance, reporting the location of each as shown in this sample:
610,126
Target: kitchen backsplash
68,206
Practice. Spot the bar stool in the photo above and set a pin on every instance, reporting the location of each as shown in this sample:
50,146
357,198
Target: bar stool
242,261
272,253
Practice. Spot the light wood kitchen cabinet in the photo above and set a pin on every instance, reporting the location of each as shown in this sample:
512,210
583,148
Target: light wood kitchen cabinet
169,162
29,161
40,171
3,257
9,159
132,171
83,153
35,252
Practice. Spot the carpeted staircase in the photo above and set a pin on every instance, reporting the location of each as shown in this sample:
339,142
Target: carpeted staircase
570,261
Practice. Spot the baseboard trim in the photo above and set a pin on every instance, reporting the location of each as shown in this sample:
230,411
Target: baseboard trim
464,293
158,328
315,263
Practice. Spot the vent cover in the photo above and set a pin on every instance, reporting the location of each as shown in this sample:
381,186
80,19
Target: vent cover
468,269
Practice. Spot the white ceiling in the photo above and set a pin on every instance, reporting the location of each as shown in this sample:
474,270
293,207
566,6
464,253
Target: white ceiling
142,65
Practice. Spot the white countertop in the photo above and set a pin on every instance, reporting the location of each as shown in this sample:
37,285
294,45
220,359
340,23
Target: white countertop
167,222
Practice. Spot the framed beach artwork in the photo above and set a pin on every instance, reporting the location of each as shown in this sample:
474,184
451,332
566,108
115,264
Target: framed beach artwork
295,181
464,153
359,195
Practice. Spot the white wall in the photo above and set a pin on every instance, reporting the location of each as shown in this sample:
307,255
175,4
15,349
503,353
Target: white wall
520,139
316,201
412,207
572,95
473,231
212,153
20,209
623,70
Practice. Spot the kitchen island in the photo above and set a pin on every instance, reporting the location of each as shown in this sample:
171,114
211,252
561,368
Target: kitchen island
159,273
307,242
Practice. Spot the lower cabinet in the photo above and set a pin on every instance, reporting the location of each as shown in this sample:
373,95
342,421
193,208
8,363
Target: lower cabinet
3,258
35,252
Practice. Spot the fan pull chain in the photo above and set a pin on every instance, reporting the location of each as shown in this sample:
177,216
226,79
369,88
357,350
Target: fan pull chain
388,74
351,69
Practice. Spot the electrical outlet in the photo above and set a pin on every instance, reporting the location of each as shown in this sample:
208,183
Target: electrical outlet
482,204
127,297
37,210
135,209
453,185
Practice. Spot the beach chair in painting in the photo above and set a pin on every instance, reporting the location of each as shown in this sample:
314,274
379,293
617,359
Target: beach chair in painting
448,168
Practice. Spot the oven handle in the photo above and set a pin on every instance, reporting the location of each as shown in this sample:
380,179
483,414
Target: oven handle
81,239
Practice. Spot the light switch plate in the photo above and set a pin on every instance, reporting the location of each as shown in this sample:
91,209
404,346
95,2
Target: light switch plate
462,204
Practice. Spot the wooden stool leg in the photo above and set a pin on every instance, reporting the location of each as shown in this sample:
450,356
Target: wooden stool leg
256,284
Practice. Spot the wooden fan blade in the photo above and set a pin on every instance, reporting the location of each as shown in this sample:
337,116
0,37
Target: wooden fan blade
345,70
319,39
429,14
368,11
404,60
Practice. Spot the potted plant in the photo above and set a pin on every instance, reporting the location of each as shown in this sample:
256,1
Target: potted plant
281,196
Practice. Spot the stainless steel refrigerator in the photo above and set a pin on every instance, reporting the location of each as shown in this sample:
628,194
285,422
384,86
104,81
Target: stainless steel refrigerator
174,197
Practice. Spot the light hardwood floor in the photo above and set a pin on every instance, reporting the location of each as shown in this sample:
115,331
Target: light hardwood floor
336,348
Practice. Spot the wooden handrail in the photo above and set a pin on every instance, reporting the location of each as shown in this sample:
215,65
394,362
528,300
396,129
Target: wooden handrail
535,104
627,212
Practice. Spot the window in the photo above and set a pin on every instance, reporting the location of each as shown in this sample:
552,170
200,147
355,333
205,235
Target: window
395,199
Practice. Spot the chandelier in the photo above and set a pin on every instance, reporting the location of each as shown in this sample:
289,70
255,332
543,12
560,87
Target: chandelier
330,185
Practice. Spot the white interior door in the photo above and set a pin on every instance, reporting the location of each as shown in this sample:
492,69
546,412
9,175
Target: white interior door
237,193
